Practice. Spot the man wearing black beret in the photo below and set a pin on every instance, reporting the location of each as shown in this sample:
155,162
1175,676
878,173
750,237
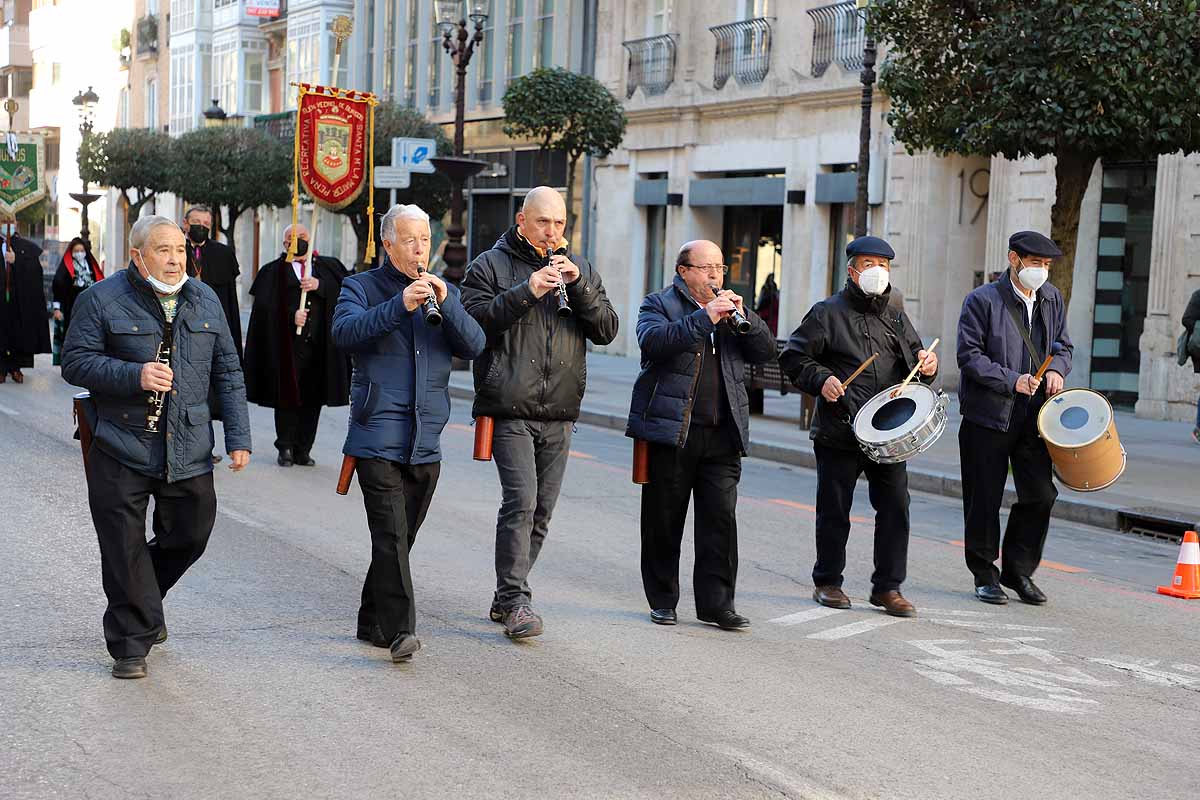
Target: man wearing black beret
1006,329
836,336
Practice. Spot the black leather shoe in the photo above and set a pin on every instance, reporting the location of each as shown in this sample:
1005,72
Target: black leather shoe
991,593
132,667
374,636
404,646
663,616
1027,590
303,460
727,619
285,457
162,635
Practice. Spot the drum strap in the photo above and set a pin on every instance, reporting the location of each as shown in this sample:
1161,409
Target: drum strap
1033,351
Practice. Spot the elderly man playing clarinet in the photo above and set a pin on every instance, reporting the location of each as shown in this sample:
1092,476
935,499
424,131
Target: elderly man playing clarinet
150,333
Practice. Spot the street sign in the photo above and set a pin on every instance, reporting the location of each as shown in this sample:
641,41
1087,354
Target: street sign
413,154
391,178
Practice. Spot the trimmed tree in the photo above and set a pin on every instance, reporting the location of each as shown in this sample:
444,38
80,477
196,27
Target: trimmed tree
1103,79
234,169
134,161
429,191
565,111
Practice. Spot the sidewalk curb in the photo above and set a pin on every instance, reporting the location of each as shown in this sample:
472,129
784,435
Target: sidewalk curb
1087,512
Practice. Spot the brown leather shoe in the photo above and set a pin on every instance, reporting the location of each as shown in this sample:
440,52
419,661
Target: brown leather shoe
894,603
18,376
831,596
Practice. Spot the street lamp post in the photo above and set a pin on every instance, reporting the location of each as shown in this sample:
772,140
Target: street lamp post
864,133
85,102
458,169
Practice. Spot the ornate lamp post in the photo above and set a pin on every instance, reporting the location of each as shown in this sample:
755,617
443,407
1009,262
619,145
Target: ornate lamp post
864,133
458,169
85,102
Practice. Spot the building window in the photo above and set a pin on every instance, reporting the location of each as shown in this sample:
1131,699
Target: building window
151,7
255,68
486,67
183,15
303,64
225,76
410,67
754,9
183,98
369,75
55,73
123,108
660,18
152,103
543,51
435,68
390,45
224,3
514,66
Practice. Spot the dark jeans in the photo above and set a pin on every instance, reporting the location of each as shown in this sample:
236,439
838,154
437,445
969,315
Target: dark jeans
887,485
396,497
985,455
531,458
296,428
707,469
136,574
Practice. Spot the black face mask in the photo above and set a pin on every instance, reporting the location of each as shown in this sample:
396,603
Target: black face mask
301,248
198,233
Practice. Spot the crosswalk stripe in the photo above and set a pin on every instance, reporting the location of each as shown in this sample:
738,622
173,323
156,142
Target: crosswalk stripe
852,629
806,616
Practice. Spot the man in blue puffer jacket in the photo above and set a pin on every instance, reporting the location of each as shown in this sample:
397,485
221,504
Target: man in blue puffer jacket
112,350
690,403
399,404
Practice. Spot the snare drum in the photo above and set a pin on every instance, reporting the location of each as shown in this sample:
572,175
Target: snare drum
1081,434
894,429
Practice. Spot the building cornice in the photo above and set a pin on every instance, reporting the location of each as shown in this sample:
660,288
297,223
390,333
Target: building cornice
826,98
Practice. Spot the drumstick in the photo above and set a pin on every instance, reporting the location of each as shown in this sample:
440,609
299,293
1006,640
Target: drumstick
860,369
1055,350
900,388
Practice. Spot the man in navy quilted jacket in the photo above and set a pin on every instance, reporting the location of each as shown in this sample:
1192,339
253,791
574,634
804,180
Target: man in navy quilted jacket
150,334
399,404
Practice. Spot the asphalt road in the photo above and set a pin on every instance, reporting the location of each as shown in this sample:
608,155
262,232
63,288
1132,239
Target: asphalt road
263,691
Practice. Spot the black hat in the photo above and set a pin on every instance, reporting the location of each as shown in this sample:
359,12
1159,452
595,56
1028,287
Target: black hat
869,246
1032,243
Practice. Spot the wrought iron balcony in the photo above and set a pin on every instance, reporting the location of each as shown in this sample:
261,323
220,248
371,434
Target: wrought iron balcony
651,64
743,51
147,35
839,34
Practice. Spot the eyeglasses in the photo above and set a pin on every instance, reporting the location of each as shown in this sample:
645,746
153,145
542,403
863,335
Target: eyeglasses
711,269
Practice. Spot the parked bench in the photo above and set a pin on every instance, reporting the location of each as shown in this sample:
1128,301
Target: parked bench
760,377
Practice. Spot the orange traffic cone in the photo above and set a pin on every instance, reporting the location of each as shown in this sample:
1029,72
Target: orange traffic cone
1187,572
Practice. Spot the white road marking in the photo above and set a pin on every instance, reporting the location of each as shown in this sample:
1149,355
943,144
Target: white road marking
944,678
853,629
1145,669
806,616
9,411
1056,703
991,626
953,612
785,783
242,518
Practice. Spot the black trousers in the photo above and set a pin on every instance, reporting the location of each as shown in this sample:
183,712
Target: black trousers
136,574
887,486
396,497
296,428
985,455
707,469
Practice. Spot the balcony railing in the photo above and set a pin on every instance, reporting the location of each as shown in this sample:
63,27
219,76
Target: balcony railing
280,126
839,34
743,51
651,64
147,35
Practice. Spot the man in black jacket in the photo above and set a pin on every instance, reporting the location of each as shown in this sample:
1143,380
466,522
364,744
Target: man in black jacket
1191,316
690,404
836,336
296,374
24,330
531,379
215,264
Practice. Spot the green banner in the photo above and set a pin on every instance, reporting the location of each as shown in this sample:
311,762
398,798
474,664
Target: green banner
22,171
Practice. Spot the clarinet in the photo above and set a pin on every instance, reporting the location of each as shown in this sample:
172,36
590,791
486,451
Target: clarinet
736,318
158,400
564,307
433,312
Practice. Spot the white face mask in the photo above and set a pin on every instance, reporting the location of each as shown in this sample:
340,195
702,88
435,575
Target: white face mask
873,281
164,288
1033,277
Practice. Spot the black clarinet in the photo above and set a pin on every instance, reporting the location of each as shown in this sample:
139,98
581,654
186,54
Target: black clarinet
564,307
433,312
736,318
158,400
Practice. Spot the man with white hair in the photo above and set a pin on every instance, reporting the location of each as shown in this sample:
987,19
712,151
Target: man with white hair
399,404
295,373
149,333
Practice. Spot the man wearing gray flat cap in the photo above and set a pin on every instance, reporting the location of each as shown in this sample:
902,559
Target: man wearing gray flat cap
1005,330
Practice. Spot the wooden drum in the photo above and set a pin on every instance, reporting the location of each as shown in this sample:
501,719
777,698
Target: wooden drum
1080,432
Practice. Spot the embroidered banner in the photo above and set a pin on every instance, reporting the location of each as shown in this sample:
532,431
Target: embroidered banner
334,129
22,171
